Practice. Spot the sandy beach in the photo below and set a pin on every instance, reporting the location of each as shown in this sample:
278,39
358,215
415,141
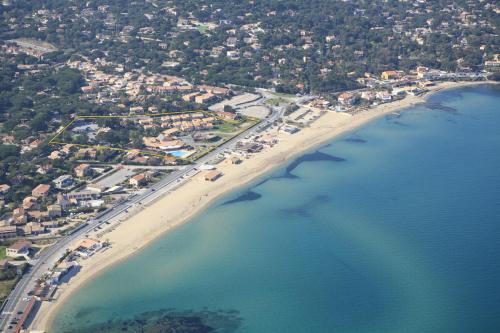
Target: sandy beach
179,206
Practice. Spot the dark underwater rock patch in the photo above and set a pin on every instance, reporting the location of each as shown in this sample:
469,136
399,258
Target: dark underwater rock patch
436,105
170,321
354,140
246,196
304,209
400,123
312,157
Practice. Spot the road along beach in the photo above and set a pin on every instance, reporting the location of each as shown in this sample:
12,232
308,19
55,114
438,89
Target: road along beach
179,206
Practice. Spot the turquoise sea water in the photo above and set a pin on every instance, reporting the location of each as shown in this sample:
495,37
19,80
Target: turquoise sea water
392,228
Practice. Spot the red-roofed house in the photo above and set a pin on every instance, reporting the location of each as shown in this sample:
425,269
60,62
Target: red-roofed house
82,170
391,75
18,249
138,180
347,98
41,190
4,188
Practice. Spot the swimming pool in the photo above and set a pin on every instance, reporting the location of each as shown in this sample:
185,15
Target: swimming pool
179,153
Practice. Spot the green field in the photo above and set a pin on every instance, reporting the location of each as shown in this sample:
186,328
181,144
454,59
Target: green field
283,95
228,127
202,28
2,251
276,101
5,287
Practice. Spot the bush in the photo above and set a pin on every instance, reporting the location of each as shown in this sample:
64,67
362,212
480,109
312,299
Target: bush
494,76
8,274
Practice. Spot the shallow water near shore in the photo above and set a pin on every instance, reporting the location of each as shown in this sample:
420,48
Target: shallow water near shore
391,228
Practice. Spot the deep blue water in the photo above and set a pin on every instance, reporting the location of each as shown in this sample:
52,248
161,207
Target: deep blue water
392,228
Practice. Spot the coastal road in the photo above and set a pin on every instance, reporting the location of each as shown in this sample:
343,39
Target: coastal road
16,301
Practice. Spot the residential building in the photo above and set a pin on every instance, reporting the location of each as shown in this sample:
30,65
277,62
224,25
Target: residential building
41,191
289,129
249,147
19,216
63,201
82,170
63,181
425,84
347,98
87,247
163,142
207,97
368,95
33,229
82,195
213,175
189,97
44,169
4,188
170,131
138,180
227,115
54,211
136,109
492,64
8,231
51,224
384,96
391,75
96,187
37,215
86,153
171,160
18,249
62,269
30,203
235,160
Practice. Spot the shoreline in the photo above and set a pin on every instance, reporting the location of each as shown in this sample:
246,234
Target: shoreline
190,199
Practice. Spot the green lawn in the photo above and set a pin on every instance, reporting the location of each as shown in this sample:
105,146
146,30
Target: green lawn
283,95
2,252
227,127
5,287
276,101
202,28
230,126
